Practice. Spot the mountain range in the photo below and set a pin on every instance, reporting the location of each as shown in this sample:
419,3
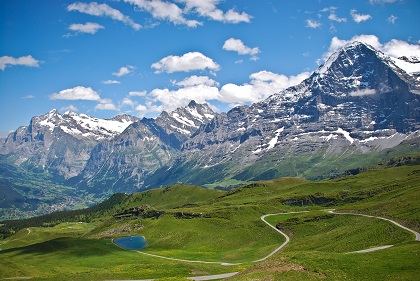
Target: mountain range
358,108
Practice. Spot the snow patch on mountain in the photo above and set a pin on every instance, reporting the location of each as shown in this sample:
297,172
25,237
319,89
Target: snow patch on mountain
274,140
408,66
84,126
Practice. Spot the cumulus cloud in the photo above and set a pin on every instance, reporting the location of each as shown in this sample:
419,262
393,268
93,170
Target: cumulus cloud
24,61
76,93
363,92
105,10
359,17
312,23
137,94
202,89
164,11
208,8
397,48
69,108
263,84
89,27
106,104
394,48
337,44
124,70
141,109
171,99
108,82
232,93
238,46
197,80
188,62
128,102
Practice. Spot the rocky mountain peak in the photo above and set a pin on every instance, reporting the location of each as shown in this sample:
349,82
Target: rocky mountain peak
184,121
410,59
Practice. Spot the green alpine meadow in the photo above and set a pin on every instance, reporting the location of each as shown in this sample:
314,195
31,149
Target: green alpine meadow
192,231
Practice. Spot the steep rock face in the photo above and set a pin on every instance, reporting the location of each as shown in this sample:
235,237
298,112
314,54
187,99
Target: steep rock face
359,101
125,160
119,164
60,143
183,122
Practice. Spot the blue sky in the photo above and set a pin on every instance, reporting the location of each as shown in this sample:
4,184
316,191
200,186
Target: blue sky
140,57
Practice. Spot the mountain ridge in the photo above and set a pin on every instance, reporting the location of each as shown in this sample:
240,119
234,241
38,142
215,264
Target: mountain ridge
344,116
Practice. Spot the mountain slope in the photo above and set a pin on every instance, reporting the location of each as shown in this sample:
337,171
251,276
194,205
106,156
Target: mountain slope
122,163
357,109
354,106
61,143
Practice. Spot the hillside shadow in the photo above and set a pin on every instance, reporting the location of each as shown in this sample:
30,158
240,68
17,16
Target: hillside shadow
67,246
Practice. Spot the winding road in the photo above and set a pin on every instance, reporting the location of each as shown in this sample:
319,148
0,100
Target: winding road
263,218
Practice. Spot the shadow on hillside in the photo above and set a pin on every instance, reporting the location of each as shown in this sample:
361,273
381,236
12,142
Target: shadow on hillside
67,246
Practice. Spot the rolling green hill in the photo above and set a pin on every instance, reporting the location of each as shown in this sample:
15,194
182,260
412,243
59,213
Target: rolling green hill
214,231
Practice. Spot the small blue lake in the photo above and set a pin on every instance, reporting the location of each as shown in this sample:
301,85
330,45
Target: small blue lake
131,242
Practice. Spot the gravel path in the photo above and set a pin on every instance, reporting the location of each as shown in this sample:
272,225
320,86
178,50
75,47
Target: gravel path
226,275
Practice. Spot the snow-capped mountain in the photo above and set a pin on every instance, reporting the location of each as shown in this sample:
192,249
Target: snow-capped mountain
183,122
144,147
77,145
344,116
358,102
61,143
84,126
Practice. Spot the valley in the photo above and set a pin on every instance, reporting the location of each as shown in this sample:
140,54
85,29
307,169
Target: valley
224,231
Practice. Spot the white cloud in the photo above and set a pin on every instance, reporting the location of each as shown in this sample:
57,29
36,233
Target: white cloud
69,108
137,94
188,62
164,11
397,48
197,80
172,99
334,17
238,46
89,27
96,9
363,92
106,104
76,93
108,82
24,61
232,93
28,97
202,89
312,23
337,44
142,109
330,9
359,17
208,8
263,84
124,70
392,19
128,102
394,48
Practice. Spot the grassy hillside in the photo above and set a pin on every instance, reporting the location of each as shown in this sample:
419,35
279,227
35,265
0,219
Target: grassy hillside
191,223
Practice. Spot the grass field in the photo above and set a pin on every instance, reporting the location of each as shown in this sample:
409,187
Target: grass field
215,226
